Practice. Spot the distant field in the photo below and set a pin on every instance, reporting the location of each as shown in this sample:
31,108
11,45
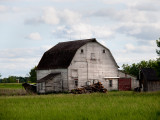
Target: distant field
8,89
11,85
96,106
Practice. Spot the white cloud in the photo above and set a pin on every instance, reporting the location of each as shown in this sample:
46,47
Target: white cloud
139,18
8,9
70,17
130,47
63,0
34,36
3,8
16,9
132,2
53,16
141,31
133,22
19,61
50,16
83,31
146,48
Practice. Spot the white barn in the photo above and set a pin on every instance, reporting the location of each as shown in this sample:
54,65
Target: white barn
73,64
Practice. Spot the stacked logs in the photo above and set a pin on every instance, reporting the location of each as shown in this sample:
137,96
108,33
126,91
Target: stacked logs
97,87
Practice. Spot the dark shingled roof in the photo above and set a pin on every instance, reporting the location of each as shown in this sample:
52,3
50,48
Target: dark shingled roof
149,74
61,55
48,77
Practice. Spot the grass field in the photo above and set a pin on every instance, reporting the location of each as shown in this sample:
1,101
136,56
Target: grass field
11,85
96,106
10,89
15,104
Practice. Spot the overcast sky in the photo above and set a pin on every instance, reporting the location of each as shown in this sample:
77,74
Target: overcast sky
28,28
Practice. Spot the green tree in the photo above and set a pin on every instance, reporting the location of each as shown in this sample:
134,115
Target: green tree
158,45
158,53
12,79
33,75
135,67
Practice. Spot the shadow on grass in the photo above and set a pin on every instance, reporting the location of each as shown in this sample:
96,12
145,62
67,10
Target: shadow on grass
158,115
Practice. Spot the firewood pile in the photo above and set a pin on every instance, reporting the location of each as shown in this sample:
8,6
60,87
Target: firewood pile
97,87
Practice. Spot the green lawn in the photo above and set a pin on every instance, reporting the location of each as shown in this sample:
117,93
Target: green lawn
11,85
96,106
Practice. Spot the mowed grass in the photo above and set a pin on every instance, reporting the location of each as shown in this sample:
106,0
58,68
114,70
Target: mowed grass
96,106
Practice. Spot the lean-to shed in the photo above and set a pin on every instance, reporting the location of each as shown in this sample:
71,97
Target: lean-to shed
149,80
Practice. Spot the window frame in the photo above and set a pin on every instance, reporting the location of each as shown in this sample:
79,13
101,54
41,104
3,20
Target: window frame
110,83
82,51
76,82
93,56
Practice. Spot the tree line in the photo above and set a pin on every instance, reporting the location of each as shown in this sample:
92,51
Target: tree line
32,78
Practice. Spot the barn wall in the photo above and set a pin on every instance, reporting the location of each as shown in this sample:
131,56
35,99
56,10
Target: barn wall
41,87
114,84
54,85
134,81
64,73
153,85
92,65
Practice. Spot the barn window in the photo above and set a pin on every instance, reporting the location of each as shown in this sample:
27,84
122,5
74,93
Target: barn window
104,51
93,57
76,82
110,83
74,73
81,50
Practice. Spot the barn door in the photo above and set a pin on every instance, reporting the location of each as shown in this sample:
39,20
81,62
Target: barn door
124,84
57,84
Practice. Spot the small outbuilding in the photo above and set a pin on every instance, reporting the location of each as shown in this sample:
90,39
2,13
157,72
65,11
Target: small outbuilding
127,82
149,80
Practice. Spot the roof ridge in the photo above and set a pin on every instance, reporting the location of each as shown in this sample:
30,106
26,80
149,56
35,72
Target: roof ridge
78,40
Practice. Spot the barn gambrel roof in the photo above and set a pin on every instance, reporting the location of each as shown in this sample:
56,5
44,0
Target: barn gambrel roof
61,55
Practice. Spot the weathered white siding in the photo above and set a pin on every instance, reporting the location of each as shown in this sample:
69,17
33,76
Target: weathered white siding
52,85
93,64
134,81
64,75
41,87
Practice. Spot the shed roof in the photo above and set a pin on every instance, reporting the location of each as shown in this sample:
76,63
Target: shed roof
149,74
61,55
48,77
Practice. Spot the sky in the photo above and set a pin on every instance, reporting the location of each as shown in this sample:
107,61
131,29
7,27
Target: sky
129,28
